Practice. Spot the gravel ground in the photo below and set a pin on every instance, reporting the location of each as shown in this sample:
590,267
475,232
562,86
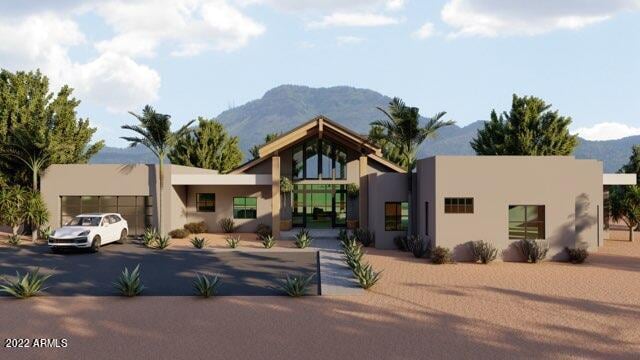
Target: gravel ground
417,311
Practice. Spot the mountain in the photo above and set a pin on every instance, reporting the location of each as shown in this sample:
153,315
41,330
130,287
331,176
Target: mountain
287,106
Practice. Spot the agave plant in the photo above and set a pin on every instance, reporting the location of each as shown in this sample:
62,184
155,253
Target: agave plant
366,276
162,242
14,240
366,237
417,245
268,241
297,285
27,285
198,243
233,241
129,283
149,237
303,239
342,234
206,286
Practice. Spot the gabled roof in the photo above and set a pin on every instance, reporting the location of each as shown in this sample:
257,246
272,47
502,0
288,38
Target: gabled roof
319,125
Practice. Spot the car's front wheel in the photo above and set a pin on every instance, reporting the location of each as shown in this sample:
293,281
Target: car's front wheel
123,236
95,245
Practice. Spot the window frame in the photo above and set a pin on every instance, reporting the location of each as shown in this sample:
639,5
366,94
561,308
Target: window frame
245,207
454,205
396,219
534,224
332,158
200,203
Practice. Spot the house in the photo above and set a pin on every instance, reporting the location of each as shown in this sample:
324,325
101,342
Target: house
456,199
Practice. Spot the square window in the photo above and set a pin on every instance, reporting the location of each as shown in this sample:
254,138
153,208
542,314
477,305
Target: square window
206,202
458,205
245,207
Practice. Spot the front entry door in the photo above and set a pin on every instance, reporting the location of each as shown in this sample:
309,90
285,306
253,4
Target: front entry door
319,206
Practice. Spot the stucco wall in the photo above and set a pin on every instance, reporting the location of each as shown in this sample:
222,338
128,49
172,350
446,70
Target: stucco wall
570,190
389,187
224,206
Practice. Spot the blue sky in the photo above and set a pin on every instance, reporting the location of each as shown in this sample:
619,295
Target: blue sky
198,57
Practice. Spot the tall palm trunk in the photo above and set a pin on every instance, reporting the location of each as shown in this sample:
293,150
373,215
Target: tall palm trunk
34,228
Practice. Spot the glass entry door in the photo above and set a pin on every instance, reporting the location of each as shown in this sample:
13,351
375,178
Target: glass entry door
319,206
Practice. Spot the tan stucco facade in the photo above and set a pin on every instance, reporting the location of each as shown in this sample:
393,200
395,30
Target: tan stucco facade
569,189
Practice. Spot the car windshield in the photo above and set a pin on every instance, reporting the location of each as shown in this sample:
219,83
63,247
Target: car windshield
85,221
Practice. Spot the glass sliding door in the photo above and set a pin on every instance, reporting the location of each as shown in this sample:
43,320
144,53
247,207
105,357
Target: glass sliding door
319,206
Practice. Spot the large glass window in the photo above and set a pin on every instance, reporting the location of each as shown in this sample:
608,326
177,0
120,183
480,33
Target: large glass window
206,202
526,222
458,205
316,159
396,216
245,207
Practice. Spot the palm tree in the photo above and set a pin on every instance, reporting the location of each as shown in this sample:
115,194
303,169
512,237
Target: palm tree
404,132
12,201
35,213
30,148
155,134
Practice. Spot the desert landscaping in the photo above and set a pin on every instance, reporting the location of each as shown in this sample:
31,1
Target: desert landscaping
417,310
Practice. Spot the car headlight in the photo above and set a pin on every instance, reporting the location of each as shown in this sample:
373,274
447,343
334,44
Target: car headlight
84,233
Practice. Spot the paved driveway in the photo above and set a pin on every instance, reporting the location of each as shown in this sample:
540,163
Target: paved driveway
166,272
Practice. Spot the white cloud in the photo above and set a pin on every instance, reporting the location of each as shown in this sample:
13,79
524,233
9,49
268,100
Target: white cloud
326,5
607,131
425,31
353,20
395,5
190,27
521,17
349,40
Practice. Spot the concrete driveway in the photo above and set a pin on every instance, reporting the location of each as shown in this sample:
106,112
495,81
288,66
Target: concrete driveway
168,272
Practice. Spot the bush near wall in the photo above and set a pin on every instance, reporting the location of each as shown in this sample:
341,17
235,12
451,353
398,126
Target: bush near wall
196,227
179,233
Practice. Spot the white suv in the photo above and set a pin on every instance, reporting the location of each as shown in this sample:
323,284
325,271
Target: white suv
90,231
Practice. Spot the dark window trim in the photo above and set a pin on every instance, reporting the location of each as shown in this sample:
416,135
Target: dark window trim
245,207
526,222
199,202
466,209
397,221
335,148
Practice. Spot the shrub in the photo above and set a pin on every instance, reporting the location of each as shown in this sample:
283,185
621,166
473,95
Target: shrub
577,255
198,243
263,230
233,241
268,241
179,233
286,186
149,237
366,276
400,242
162,242
14,240
303,239
27,285
227,225
417,245
296,285
441,255
196,227
46,233
129,283
533,250
353,190
342,234
205,286
483,251
365,236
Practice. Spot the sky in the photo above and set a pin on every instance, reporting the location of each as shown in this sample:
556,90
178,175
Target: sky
190,58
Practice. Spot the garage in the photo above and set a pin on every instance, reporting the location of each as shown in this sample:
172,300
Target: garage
137,210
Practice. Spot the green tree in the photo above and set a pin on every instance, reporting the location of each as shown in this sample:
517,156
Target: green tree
378,137
35,212
403,130
625,206
530,128
633,166
26,105
267,139
154,133
12,200
208,146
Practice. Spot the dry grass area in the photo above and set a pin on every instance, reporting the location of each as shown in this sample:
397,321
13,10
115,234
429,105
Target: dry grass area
417,311
218,241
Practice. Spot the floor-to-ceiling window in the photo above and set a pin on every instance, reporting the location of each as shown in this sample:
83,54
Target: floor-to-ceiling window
319,205
319,159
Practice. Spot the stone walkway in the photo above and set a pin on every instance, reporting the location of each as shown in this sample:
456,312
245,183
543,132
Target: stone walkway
336,277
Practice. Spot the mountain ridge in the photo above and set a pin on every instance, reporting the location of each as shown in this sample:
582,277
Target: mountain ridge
287,106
